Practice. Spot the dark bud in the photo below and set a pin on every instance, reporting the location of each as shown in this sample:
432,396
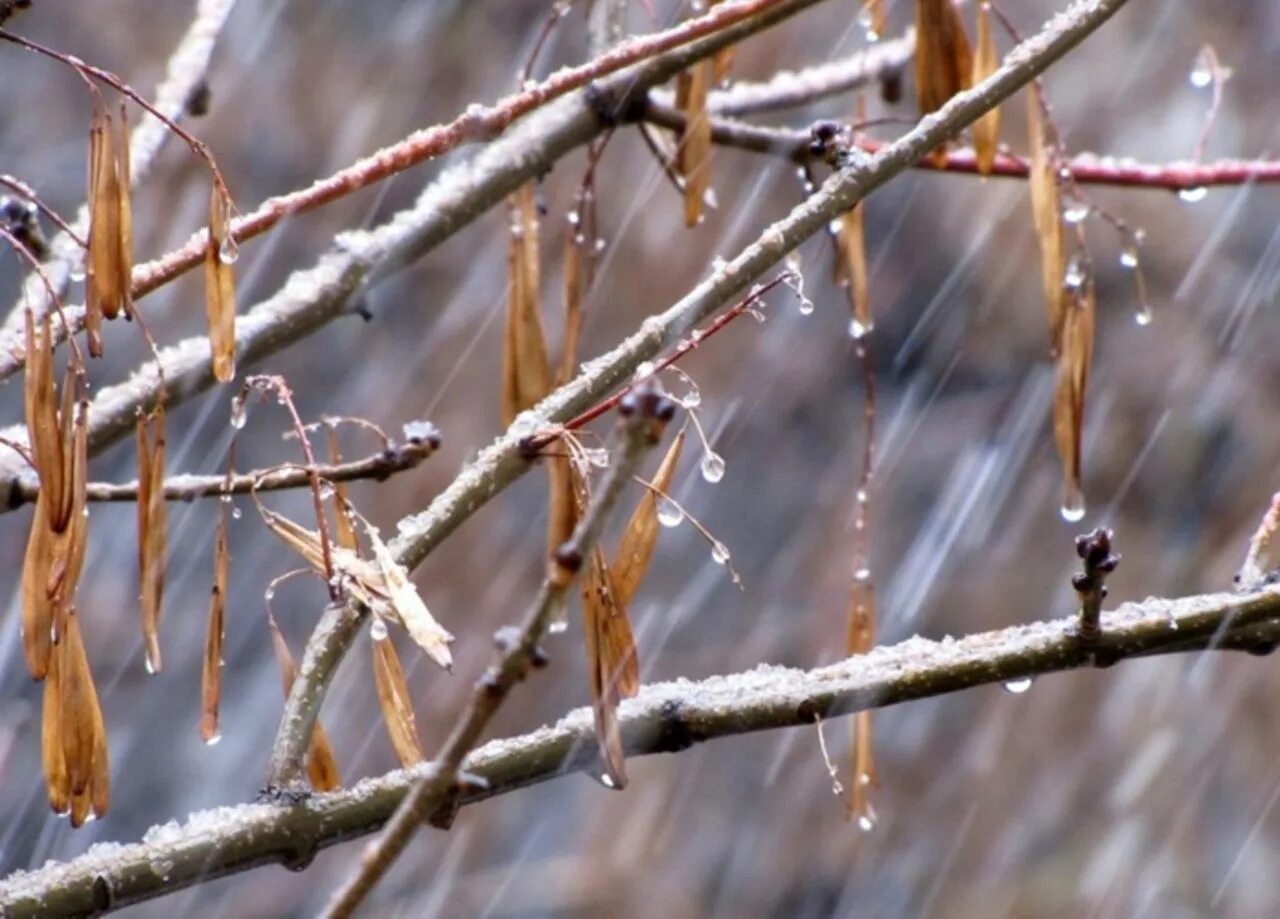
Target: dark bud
568,557
529,448
824,130
1081,581
664,409
628,405
539,658
198,100
21,219
891,87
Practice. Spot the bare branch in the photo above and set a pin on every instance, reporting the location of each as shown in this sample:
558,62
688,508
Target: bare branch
637,433
663,718
379,466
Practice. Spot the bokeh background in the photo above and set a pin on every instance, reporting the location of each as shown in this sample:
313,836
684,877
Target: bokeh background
1147,789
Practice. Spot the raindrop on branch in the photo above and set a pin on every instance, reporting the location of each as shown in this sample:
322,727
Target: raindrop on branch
1129,256
1202,70
228,251
1192,195
1073,507
1143,315
1019,686
712,467
719,553
1073,278
378,629
670,514
1076,213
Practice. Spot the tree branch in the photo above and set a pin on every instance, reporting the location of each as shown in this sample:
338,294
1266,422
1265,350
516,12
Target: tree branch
1085,169
638,430
313,297
508,458
663,718
399,458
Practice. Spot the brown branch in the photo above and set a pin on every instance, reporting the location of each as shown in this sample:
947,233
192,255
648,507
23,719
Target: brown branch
1086,168
378,466
663,718
639,429
478,123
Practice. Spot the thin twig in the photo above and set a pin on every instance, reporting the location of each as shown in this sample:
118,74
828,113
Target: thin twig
1086,168
663,718
378,466
637,433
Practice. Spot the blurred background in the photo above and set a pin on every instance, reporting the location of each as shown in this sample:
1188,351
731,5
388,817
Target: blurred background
1147,789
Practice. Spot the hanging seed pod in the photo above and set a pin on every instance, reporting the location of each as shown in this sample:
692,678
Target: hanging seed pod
211,673
1046,216
322,768
1069,396
944,65
986,130
393,699
526,375
219,287
152,528
692,88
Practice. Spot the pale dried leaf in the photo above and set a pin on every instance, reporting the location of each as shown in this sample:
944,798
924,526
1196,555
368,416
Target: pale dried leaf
397,708
986,130
407,605
635,549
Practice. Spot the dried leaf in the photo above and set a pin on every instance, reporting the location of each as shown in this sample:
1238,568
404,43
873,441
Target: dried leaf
1047,220
343,531
694,153
125,209
859,639
219,288
616,663
56,783
853,256
526,374
393,698
943,62
408,606
1069,393
605,694
211,674
152,528
80,726
322,768
986,130
635,549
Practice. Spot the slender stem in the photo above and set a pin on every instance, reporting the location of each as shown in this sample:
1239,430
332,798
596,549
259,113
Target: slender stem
663,718
278,478
636,436
1086,169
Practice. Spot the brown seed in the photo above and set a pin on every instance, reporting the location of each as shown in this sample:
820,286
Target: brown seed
986,130
219,287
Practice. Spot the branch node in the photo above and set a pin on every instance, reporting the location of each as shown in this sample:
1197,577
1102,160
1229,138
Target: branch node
1094,550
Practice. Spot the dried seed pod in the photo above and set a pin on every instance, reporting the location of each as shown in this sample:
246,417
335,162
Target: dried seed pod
152,528
943,62
852,267
526,374
322,768
607,663
859,639
343,530
219,287
393,699
692,160
1069,395
211,672
986,130
1047,221
635,550
73,736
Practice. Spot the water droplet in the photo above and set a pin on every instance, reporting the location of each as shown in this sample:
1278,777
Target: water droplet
1202,70
862,574
378,629
326,491
670,514
1073,277
867,821
644,370
235,513
1129,256
606,780
228,251
712,467
858,331
710,200
225,497
1076,213
269,594
719,553
598,457
146,662
237,413
574,218
213,739
558,626
77,271
804,305
1192,195
1073,507
1019,686
1143,315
